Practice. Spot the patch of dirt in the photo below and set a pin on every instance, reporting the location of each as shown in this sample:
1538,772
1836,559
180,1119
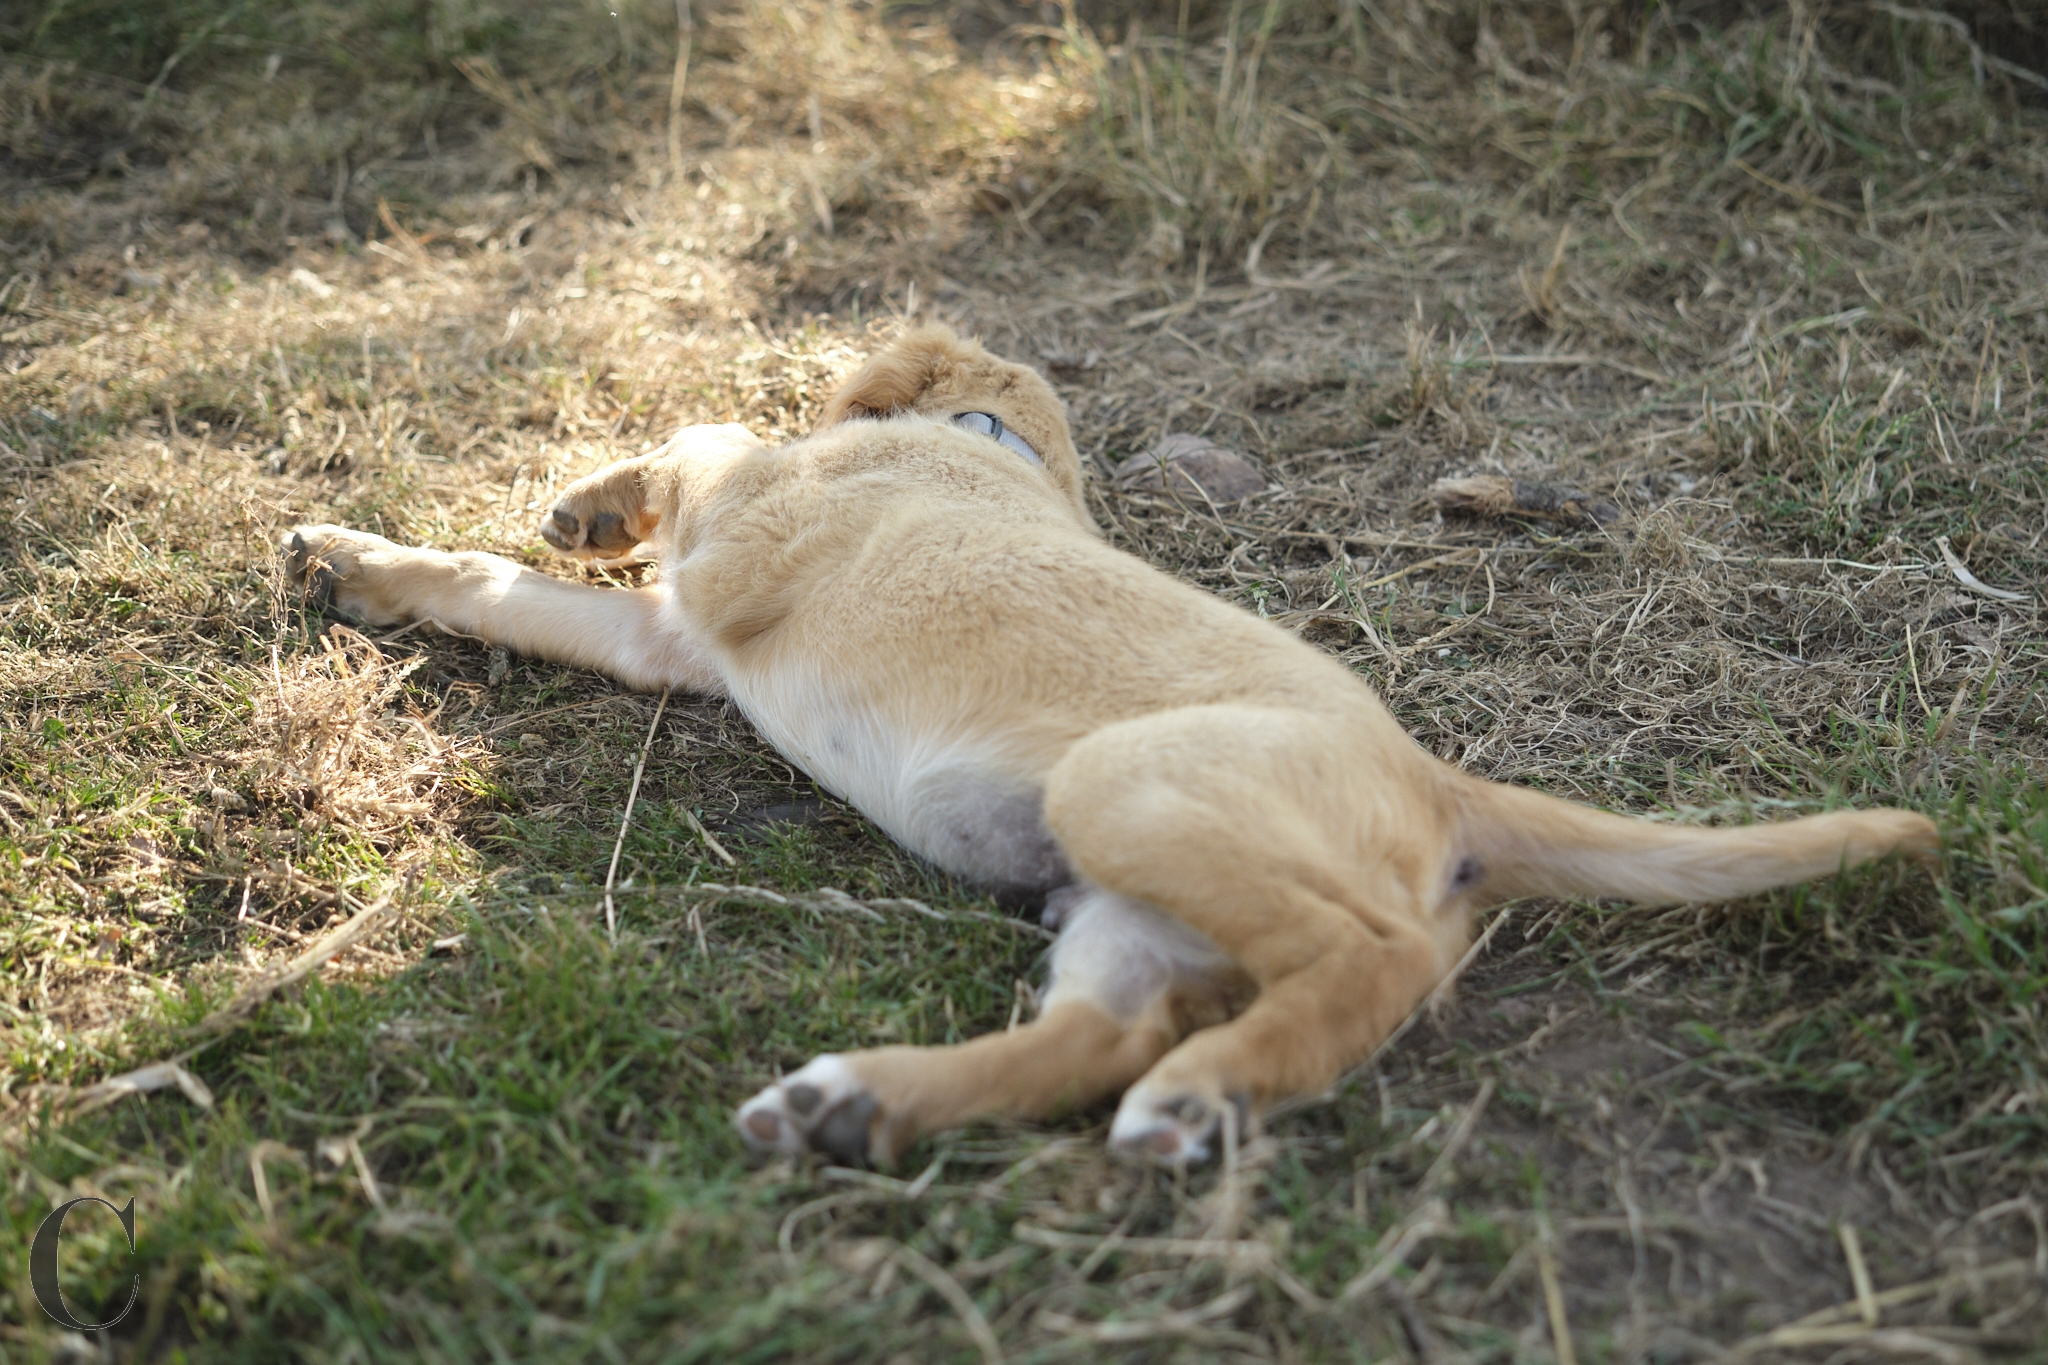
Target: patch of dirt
1687,1210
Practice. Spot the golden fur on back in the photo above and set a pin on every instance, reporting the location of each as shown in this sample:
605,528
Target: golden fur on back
1256,873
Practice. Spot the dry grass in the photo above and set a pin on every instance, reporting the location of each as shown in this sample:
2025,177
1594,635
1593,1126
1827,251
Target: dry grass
1774,283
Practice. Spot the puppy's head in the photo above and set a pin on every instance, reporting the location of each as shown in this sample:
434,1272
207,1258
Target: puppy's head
931,372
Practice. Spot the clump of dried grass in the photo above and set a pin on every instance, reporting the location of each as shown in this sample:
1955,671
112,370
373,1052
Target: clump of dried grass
337,745
1195,152
864,144
1221,135
186,795
1660,543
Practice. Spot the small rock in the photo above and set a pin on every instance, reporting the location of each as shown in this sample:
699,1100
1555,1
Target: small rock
1191,466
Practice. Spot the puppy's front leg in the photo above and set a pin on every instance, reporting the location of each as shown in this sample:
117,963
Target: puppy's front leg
606,514
621,632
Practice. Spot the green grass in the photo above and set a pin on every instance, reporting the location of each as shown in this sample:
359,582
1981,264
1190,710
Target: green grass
1802,253
547,1117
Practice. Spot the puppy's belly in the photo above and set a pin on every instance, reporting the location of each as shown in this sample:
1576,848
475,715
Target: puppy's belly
964,812
977,827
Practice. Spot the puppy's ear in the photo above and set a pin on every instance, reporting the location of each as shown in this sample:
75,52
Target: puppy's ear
893,381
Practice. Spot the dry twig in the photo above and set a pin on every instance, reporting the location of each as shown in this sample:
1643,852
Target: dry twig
611,925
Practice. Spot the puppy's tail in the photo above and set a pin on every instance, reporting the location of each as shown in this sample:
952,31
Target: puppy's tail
1529,844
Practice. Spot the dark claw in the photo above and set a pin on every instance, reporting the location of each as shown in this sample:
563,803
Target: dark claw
565,519
844,1131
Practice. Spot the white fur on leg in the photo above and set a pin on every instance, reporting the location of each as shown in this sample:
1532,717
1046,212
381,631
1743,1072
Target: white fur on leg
1176,1129
1121,954
633,635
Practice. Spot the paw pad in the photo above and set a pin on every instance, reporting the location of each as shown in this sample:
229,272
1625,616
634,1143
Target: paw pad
603,534
822,1108
1175,1129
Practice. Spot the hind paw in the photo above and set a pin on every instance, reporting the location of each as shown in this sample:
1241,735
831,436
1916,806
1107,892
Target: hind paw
1176,1126
822,1108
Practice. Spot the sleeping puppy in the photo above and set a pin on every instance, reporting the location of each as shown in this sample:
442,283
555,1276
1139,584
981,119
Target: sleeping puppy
1258,874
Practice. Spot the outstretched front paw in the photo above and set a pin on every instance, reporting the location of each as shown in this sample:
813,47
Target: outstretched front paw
821,1108
336,567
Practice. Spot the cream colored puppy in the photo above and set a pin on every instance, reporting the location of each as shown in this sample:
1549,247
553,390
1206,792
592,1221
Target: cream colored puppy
1258,874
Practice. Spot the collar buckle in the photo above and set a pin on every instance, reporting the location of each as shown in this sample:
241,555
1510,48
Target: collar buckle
989,425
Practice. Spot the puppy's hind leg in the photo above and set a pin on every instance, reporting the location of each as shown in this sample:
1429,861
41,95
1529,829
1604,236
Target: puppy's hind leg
1127,983
1231,819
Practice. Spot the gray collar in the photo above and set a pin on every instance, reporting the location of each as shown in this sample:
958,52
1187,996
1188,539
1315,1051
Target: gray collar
990,425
